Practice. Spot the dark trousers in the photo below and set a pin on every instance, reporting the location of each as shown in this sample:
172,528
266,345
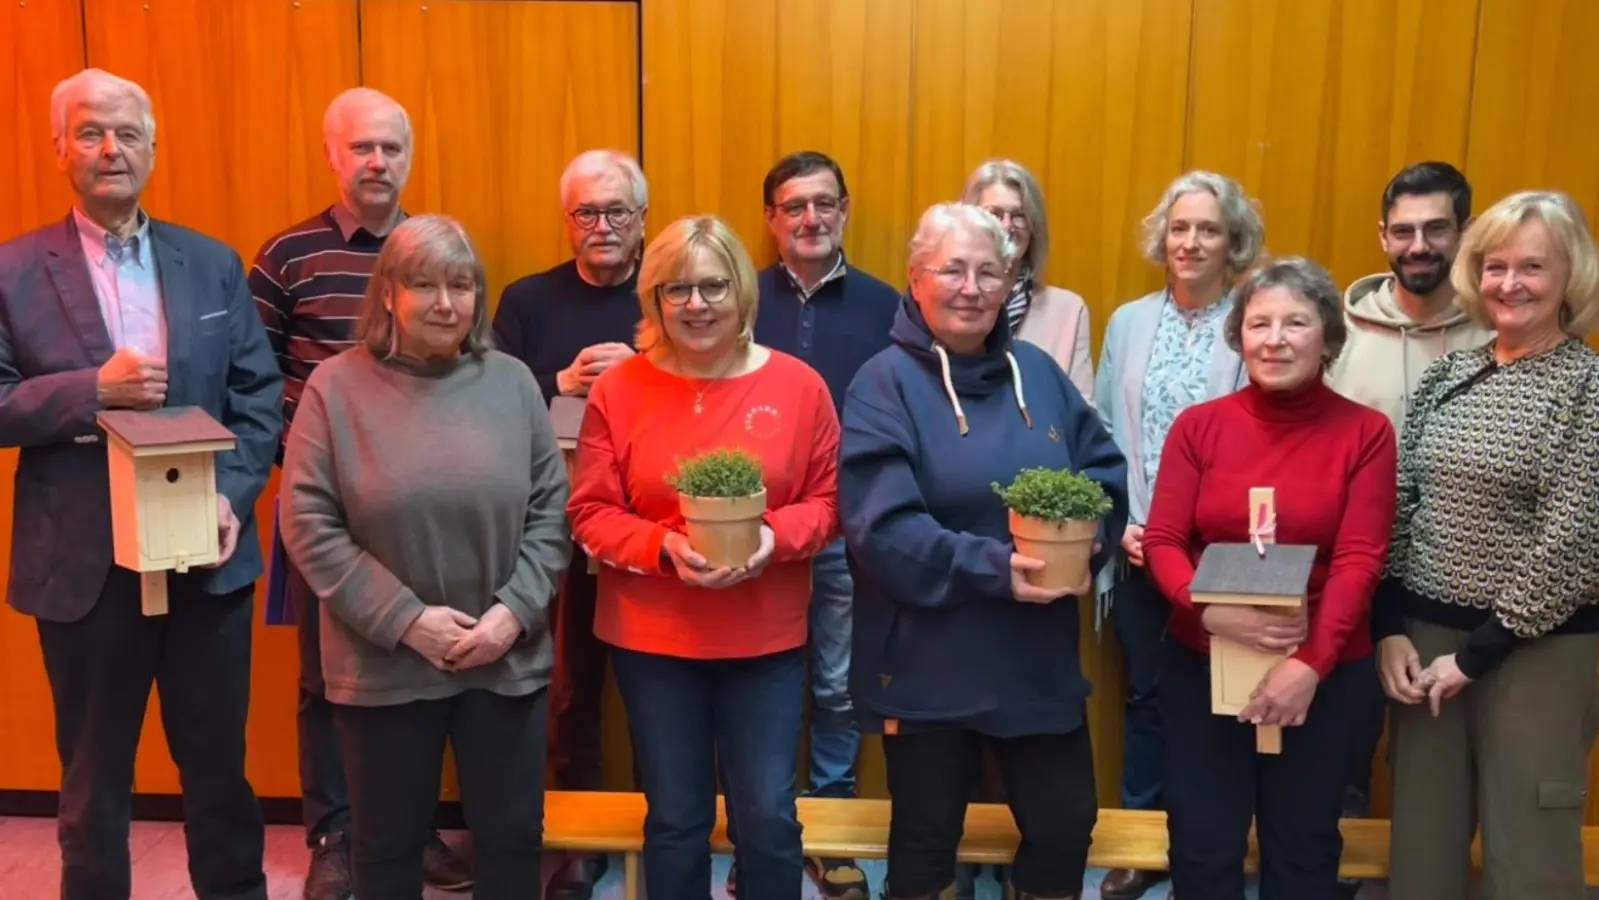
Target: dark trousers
578,683
1365,733
324,793
689,715
1049,780
100,669
1217,782
396,754
1140,614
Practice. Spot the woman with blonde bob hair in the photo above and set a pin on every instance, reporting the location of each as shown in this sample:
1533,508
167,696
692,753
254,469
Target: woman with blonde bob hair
1488,619
423,501
709,658
1052,318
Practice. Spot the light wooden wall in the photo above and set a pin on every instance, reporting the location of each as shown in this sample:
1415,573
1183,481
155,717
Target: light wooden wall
1312,104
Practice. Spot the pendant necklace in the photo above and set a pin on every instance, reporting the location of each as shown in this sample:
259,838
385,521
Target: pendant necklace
705,385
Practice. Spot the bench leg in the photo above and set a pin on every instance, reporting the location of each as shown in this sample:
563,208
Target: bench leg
630,876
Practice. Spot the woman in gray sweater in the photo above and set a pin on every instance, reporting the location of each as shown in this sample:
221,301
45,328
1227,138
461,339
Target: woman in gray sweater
425,504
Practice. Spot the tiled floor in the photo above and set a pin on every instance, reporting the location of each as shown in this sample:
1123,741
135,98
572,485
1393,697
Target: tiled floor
30,866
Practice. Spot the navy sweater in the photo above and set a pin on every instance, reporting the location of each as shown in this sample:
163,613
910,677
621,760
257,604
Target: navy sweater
939,638
546,319
835,332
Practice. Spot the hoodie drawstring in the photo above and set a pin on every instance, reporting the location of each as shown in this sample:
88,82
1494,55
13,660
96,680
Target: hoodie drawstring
954,400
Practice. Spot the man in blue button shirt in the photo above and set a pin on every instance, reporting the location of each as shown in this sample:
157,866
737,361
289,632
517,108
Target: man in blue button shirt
835,318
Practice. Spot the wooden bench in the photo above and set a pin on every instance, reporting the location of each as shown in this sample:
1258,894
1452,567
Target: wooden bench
858,829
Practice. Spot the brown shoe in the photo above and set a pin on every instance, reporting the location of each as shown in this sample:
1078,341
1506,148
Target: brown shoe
1129,884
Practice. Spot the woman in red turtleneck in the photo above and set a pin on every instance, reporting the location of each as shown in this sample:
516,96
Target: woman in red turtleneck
1332,463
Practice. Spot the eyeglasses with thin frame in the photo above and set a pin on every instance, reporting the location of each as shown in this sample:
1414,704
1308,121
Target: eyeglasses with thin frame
824,206
1435,232
1008,218
954,277
587,217
678,293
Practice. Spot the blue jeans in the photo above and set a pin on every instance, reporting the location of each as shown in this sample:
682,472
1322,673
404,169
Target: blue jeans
688,715
1140,614
835,735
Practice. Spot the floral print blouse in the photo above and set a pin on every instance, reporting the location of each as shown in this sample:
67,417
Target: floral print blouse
1178,375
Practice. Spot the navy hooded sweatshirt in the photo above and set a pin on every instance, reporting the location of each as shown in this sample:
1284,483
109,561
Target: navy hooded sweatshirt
939,639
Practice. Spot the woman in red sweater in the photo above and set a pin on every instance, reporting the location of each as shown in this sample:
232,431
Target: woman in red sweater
1331,462
710,662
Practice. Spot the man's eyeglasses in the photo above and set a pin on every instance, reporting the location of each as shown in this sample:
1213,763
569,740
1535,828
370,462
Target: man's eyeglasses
1435,232
954,278
587,217
825,207
711,291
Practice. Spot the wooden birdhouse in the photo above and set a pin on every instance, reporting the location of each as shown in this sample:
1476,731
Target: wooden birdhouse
566,417
164,492
1261,574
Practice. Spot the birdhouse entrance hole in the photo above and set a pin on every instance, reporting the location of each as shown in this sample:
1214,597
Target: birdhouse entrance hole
172,476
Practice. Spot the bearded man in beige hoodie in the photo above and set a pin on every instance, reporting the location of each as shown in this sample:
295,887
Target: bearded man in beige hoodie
1402,320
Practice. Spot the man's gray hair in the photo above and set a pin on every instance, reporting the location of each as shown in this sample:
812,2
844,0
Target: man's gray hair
591,163
95,82
1246,234
357,98
942,218
1304,278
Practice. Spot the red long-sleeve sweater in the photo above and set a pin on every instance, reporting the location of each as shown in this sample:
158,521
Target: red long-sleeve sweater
1332,462
640,421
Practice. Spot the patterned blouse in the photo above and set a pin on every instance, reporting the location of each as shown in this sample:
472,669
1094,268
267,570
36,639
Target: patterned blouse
1499,499
1178,375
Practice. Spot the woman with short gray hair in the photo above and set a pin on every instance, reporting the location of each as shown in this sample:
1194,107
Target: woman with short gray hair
424,502
1330,464
1053,318
954,649
1162,354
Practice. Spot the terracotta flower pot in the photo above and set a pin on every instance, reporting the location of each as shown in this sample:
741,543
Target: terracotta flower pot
1065,549
724,530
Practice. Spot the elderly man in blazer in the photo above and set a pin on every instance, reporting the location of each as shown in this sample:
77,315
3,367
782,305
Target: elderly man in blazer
110,308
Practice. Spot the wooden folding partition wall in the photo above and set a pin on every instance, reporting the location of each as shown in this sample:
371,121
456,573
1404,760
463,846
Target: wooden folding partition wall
1312,104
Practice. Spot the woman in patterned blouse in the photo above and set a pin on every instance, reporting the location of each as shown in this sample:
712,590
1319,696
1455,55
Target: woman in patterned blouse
1489,616
1162,354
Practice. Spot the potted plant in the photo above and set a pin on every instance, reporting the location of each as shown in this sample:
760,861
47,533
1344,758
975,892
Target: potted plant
1054,516
723,498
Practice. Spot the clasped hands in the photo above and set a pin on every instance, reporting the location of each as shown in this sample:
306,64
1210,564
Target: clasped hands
695,570
452,640
1283,696
1404,680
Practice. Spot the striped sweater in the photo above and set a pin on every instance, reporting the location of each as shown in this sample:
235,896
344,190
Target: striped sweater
308,283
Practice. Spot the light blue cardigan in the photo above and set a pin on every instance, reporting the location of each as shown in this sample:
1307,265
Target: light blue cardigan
1119,395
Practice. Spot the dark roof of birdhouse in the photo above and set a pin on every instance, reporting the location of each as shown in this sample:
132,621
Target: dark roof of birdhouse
566,416
1240,569
164,427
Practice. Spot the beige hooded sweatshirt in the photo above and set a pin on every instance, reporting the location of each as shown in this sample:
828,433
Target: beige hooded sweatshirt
1387,351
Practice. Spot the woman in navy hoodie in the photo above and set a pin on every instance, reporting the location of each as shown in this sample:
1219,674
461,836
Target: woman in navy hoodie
952,648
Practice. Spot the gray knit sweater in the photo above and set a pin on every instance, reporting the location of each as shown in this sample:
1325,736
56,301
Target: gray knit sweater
407,485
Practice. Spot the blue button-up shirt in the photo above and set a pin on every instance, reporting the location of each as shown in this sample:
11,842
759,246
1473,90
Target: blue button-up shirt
126,284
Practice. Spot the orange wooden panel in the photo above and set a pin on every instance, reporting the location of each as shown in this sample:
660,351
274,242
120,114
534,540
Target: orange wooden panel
501,97
41,42
238,89
1314,104
1531,120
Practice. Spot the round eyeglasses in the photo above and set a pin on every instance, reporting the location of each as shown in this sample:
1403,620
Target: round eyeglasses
711,291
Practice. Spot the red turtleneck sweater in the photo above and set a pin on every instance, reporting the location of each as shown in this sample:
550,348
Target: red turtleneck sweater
1332,462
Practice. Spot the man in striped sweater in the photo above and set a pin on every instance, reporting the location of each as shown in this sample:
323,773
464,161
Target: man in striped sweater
308,282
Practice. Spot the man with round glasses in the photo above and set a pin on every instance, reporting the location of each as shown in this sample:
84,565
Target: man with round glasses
834,318
569,324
